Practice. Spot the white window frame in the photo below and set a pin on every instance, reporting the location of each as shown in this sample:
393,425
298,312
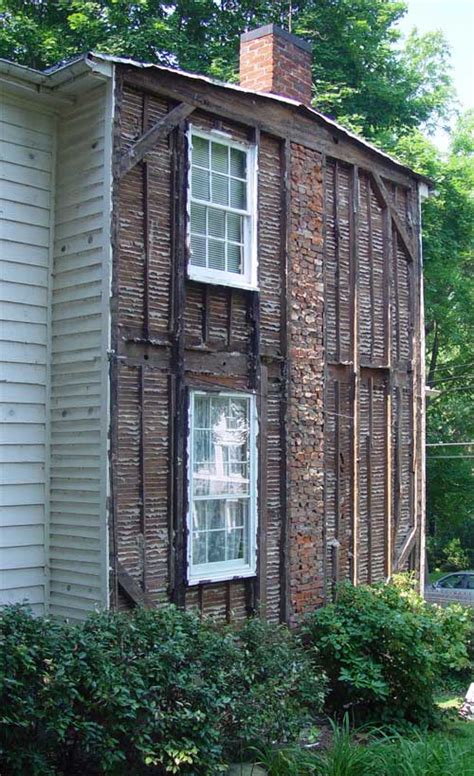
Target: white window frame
225,570
249,277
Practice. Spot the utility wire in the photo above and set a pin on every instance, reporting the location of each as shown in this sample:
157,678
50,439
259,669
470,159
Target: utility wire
449,444
467,375
453,366
447,457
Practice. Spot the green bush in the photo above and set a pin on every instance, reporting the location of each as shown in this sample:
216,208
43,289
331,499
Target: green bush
383,650
153,692
455,557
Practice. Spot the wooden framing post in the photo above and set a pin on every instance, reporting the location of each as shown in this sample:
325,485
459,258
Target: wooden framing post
178,438
354,252
285,165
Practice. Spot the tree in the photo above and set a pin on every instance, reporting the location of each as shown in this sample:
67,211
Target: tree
448,247
361,75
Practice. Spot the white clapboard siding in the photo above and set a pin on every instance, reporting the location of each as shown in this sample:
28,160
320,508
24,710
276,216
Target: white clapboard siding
79,370
27,144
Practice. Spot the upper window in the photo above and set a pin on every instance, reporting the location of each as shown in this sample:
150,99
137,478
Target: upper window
222,486
222,211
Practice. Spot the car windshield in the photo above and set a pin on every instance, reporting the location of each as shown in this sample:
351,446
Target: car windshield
455,581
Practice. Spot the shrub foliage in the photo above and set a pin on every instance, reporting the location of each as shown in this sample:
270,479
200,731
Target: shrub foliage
153,692
384,650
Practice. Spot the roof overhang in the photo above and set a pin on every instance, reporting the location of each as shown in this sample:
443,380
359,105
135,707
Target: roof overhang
63,83
58,86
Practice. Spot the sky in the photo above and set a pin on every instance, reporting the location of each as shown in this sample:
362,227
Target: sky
456,19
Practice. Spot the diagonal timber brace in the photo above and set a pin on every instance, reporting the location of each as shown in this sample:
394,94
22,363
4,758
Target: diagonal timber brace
406,548
161,129
384,198
131,589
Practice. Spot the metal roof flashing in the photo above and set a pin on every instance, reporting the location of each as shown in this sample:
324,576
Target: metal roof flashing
64,80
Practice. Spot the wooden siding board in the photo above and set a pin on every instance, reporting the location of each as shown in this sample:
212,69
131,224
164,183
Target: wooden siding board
78,391
27,174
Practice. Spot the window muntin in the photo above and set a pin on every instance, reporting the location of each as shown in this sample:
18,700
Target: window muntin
222,486
221,210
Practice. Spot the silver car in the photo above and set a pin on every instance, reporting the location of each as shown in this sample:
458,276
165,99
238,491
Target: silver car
455,587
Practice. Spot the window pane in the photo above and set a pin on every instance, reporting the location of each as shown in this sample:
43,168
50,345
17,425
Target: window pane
220,189
238,197
201,448
216,223
220,521
198,218
200,184
198,251
455,581
238,164
200,151
199,548
219,409
216,514
202,412
216,546
235,545
216,254
199,516
234,258
236,512
220,158
234,227
238,413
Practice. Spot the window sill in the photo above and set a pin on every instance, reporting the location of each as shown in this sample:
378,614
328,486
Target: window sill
229,576
220,279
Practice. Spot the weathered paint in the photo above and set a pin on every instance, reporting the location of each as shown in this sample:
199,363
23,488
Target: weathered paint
27,149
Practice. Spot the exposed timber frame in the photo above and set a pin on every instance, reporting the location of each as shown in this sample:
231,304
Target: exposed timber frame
157,132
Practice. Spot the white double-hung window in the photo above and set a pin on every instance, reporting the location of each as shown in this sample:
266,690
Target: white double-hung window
222,210
222,486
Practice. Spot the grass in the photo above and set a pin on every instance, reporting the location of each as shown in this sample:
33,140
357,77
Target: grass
447,752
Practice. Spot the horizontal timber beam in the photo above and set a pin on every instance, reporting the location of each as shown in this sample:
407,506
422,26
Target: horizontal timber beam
275,118
161,129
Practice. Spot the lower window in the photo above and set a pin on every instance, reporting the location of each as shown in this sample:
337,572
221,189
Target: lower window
222,486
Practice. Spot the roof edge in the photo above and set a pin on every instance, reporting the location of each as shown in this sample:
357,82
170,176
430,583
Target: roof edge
59,76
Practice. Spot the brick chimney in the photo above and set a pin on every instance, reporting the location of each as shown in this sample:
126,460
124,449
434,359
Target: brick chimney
273,60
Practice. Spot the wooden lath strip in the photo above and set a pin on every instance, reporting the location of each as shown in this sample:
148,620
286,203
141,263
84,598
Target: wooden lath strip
384,198
161,129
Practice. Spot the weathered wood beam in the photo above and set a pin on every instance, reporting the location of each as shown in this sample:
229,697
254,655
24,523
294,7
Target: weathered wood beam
285,220
130,587
383,195
161,129
355,356
405,550
270,116
179,422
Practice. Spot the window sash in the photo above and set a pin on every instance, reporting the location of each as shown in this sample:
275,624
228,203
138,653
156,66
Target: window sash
239,567
247,277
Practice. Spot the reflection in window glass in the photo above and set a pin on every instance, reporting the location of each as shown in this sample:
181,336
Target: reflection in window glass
219,202
222,451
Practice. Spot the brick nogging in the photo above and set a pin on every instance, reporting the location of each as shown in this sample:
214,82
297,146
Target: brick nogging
306,357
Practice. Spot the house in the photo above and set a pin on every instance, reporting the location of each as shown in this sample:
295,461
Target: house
212,341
